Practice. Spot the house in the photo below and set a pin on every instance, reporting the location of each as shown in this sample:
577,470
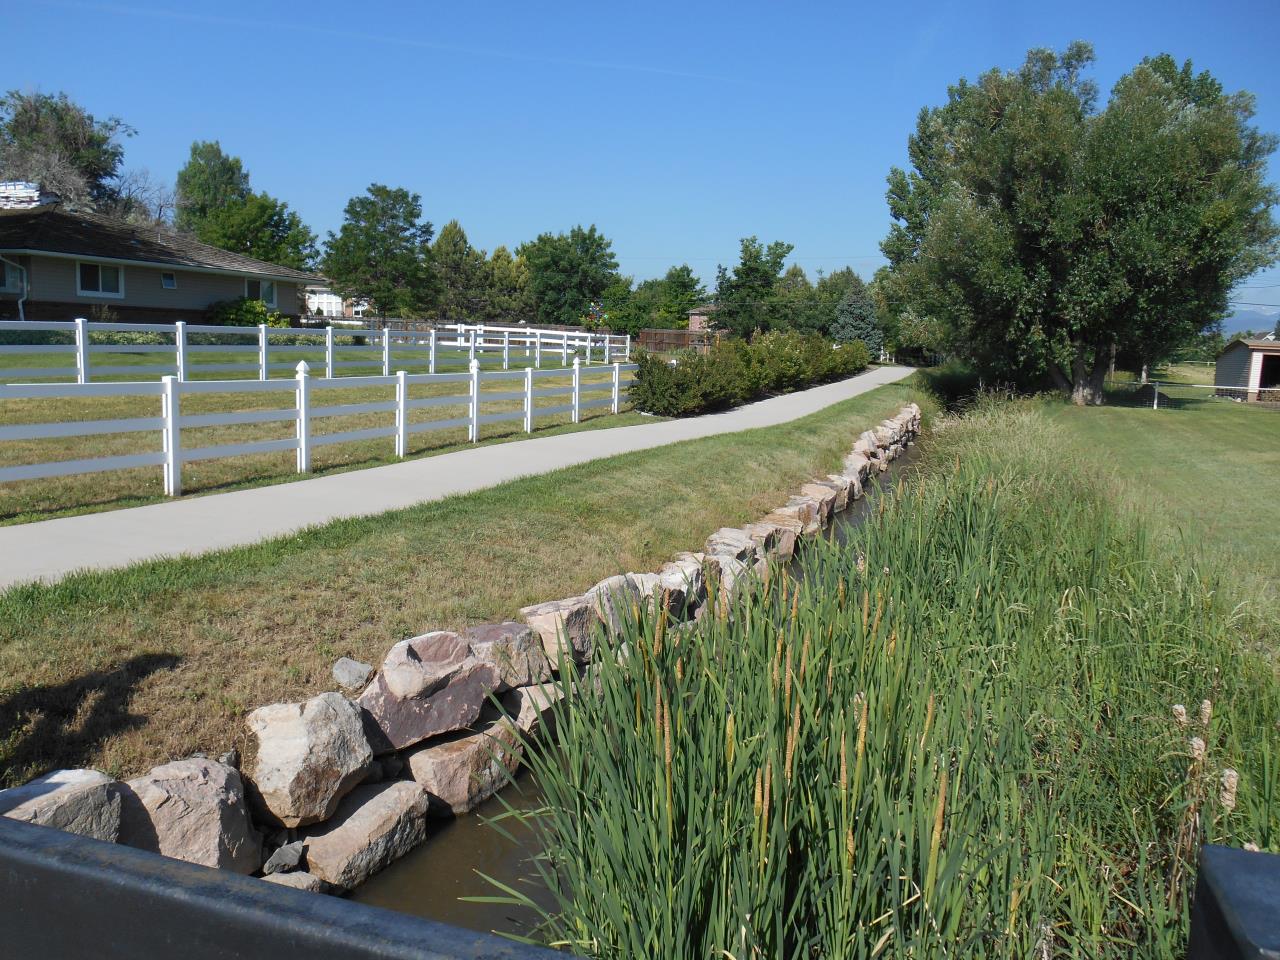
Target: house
58,263
323,302
1252,367
700,317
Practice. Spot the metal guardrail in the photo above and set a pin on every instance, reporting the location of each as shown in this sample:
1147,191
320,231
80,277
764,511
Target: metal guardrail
67,896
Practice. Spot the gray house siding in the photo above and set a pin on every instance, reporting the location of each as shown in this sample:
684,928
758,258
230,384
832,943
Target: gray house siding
52,292
1233,366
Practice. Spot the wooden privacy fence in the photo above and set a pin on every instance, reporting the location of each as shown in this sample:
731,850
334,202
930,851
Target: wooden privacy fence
661,340
306,393
275,349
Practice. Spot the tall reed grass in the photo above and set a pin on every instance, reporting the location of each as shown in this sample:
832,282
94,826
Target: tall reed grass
994,723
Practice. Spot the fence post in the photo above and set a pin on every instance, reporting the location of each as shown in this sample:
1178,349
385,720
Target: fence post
617,385
82,350
1155,394
180,349
402,414
304,417
262,351
386,351
328,352
564,349
506,349
537,349
528,399
475,398
171,409
626,358
577,385
608,348
473,344
431,357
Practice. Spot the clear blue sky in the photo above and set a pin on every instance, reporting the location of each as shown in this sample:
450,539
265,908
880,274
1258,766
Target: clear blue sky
676,128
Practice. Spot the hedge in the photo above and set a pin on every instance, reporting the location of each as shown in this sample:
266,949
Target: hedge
734,372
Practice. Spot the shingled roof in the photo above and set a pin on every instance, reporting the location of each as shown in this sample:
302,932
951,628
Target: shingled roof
82,234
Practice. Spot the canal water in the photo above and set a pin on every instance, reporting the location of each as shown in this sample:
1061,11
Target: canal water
433,880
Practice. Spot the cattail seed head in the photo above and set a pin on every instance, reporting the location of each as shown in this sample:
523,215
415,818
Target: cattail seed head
1180,714
1196,746
1227,795
1206,712
1251,847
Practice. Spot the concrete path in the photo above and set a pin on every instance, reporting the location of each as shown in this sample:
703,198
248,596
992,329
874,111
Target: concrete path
50,549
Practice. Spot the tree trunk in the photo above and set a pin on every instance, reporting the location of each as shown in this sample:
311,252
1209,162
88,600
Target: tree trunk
1087,379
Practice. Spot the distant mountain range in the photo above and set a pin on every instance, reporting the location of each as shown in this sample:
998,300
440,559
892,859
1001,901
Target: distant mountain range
1255,318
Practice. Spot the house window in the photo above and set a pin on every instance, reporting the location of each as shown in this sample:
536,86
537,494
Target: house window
10,278
99,280
264,290
169,281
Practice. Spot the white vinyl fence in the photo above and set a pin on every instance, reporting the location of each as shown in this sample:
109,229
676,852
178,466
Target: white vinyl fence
271,350
306,394
1164,395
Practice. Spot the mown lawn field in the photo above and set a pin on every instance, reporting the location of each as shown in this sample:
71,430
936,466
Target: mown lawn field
123,670
1208,470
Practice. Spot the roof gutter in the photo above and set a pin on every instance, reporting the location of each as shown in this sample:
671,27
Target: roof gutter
23,270
164,265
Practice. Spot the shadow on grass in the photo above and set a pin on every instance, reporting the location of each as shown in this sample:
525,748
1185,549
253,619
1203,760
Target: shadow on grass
45,728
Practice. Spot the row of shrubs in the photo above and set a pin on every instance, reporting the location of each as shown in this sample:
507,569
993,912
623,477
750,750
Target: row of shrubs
734,372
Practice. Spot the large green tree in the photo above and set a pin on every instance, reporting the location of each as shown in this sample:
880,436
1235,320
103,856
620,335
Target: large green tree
382,253
745,296
217,205
507,297
1040,232
659,302
568,273
856,320
49,140
460,272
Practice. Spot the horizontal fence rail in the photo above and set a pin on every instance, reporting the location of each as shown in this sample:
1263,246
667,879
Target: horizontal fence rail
189,350
303,402
1167,395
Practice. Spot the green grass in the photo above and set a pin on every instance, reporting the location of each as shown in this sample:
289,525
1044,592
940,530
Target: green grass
123,670
24,501
1208,472
953,736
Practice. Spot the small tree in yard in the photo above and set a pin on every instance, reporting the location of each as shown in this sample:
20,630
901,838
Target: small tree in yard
1041,233
856,320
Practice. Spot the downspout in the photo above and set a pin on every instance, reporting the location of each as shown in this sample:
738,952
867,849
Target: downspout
23,296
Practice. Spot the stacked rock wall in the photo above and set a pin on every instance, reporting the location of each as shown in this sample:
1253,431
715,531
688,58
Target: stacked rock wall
340,786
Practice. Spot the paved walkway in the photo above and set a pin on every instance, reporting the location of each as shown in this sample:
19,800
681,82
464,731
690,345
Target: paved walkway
50,549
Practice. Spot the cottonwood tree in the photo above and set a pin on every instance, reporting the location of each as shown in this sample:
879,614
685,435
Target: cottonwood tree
382,253
568,273
1041,231
216,204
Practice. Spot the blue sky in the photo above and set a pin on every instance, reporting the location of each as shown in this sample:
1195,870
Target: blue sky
676,128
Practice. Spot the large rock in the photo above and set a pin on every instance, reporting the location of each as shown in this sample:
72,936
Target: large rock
681,585
826,496
842,485
191,810
309,755
732,542
567,628
614,599
857,467
533,709
729,575
420,666
373,826
428,686
86,802
775,537
514,651
811,512
462,770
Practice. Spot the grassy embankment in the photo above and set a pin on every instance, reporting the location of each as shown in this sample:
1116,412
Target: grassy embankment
956,736
123,670
25,501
